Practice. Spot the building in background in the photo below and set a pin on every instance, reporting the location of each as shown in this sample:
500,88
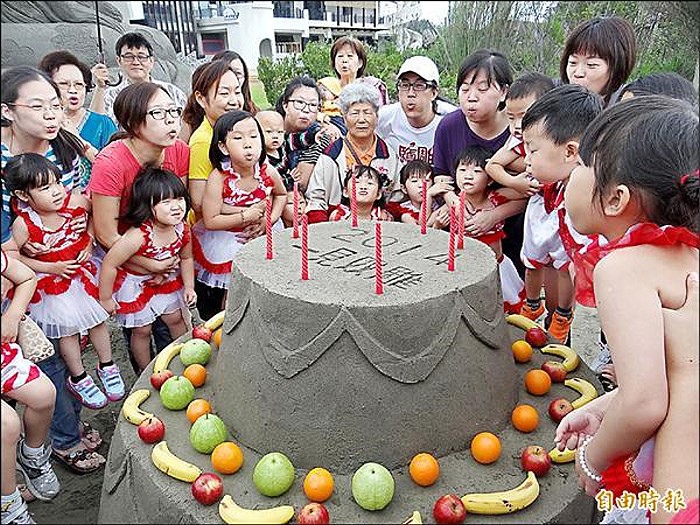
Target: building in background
254,29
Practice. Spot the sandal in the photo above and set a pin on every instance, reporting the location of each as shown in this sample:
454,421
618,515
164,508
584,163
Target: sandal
89,436
79,461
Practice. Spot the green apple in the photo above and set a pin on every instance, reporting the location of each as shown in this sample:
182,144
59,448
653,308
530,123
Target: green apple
207,432
195,351
273,474
372,486
176,393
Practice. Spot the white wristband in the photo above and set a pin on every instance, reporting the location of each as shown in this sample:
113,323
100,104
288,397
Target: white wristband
582,461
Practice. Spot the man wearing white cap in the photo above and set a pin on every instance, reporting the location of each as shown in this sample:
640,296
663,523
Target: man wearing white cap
409,125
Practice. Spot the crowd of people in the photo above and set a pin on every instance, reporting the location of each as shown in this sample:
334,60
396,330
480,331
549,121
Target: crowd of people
135,209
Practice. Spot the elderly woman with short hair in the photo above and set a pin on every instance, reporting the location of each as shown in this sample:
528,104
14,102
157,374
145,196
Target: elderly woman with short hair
359,104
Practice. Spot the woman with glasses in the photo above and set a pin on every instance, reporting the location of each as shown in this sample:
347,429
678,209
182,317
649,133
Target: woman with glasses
150,121
361,146
136,61
31,123
74,79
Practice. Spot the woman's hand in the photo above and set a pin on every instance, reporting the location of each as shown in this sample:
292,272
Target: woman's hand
330,131
442,217
164,266
65,269
32,248
100,74
10,326
85,254
575,426
79,223
440,188
250,232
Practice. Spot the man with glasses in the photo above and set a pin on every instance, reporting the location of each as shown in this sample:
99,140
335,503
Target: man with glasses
409,125
136,60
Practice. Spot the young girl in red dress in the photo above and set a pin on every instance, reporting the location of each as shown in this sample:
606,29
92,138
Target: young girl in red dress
638,187
369,190
66,303
157,209
235,197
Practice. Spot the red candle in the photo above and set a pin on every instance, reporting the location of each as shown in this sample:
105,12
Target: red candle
305,247
353,201
460,231
451,246
295,221
268,226
378,279
424,209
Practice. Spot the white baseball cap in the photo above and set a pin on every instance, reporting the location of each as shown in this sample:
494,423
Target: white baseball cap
423,67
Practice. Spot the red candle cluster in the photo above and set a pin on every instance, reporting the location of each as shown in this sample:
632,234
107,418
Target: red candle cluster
378,278
424,209
268,227
295,220
305,247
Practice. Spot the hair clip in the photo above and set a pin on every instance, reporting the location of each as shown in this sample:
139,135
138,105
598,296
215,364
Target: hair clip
685,177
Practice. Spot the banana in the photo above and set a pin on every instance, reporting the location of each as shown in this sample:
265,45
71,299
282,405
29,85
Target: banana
216,321
130,409
413,519
230,512
583,387
564,456
571,360
504,502
172,465
521,321
165,356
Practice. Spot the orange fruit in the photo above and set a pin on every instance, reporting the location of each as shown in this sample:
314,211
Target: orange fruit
196,373
424,469
486,448
216,337
318,484
197,408
522,351
538,382
525,418
226,458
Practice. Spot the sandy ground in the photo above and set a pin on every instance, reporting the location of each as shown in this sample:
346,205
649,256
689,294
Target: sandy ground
79,499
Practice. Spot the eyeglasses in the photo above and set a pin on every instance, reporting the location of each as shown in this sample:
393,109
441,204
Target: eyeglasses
53,108
299,105
128,57
418,85
67,85
159,113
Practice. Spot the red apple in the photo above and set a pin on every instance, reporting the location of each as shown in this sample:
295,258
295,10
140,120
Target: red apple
201,332
208,488
151,430
536,459
313,514
158,378
559,408
556,371
449,509
536,337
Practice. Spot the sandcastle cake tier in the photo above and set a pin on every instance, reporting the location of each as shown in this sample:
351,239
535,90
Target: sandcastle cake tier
330,373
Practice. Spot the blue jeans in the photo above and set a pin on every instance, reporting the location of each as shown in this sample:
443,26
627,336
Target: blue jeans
65,423
161,338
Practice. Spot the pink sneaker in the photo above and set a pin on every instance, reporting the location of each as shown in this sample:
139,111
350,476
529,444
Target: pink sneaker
87,393
112,382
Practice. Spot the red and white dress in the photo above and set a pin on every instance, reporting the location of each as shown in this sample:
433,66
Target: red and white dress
63,306
344,213
512,286
549,238
139,299
16,370
214,250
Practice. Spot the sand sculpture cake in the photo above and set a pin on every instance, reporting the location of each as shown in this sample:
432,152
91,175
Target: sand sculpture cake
333,374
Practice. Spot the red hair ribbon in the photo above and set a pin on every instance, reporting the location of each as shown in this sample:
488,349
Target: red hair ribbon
685,177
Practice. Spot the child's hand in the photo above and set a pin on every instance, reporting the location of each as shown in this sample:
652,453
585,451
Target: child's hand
85,254
574,427
110,305
442,217
65,269
190,296
440,188
10,326
33,249
481,222
525,184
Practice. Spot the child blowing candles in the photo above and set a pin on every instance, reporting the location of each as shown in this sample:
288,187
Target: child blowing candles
370,195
